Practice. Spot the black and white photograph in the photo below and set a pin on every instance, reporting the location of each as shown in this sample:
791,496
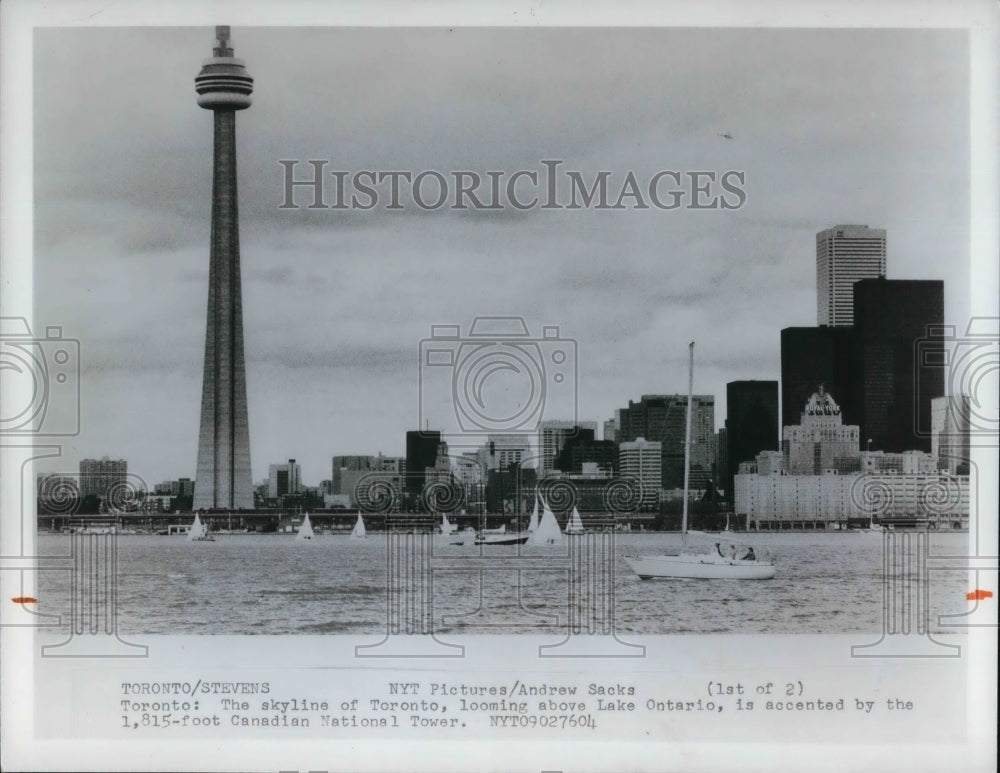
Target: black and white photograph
398,346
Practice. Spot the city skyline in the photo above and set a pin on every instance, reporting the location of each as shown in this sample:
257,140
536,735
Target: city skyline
338,303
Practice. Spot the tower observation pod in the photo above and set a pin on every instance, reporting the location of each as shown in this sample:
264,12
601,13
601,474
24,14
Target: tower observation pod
223,472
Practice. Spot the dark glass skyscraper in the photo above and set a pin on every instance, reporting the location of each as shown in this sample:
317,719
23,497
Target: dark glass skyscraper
811,356
421,453
751,422
899,360
223,478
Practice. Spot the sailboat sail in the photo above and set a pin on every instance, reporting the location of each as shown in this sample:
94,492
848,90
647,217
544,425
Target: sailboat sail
533,523
548,531
446,526
359,529
198,532
305,530
575,525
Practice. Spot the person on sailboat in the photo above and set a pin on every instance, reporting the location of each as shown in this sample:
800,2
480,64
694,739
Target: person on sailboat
749,555
732,552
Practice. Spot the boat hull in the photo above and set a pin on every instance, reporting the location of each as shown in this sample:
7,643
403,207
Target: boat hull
694,567
502,539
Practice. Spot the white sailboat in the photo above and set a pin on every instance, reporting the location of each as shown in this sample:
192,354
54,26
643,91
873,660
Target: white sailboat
691,563
447,527
198,532
533,523
575,525
359,529
305,529
548,531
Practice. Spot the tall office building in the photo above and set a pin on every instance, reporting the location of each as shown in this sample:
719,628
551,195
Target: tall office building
642,460
102,477
421,453
223,472
751,421
950,437
661,419
817,355
552,435
845,254
342,464
283,479
899,362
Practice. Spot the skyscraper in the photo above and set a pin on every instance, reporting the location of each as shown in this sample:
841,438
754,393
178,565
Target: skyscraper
811,356
101,477
223,473
661,419
552,436
421,453
751,422
845,254
642,460
895,320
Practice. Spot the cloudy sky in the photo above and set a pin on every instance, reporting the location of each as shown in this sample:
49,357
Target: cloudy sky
853,126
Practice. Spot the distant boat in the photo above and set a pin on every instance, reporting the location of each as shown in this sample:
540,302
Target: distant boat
533,523
306,529
575,525
691,564
198,532
548,531
359,529
447,527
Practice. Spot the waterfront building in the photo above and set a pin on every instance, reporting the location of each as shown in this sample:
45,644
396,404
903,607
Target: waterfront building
722,469
223,471
101,477
845,254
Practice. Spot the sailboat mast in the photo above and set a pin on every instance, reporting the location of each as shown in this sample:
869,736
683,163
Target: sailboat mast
687,439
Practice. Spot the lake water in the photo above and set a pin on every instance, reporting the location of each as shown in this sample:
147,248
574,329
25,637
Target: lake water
274,584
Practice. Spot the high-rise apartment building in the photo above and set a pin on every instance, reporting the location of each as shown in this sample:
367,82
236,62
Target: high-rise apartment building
845,254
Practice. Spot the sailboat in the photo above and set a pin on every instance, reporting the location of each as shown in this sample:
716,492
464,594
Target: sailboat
548,531
447,527
359,529
198,532
575,525
533,523
690,563
306,529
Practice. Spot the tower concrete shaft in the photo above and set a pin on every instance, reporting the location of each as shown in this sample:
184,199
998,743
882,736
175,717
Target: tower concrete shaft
223,476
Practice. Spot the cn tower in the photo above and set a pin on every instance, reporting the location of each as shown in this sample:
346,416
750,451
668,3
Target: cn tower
223,476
